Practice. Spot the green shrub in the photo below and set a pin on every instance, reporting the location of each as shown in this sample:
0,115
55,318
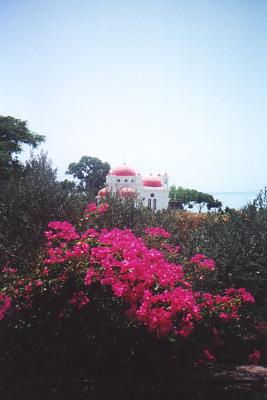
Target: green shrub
30,200
237,240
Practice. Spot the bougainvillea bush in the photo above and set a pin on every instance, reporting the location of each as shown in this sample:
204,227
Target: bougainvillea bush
107,291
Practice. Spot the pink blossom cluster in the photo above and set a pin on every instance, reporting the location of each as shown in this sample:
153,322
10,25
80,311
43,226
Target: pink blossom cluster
155,290
254,357
62,231
171,249
261,326
208,355
92,208
5,304
59,239
102,208
226,306
63,252
159,294
8,270
161,232
79,299
240,293
203,262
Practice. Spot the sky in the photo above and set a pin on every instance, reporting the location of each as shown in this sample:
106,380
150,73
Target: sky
163,85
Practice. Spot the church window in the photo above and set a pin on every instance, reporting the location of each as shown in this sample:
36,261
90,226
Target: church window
118,180
154,204
149,203
126,180
152,195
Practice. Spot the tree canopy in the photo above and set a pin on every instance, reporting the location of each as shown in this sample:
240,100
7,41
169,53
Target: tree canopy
182,197
13,134
91,173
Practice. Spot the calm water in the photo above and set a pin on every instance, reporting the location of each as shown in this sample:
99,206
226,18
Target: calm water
235,199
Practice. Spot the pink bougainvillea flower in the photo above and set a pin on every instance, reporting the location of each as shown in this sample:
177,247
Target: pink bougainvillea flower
261,326
79,299
161,232
91,208
45,271
8,270
102,208
61,230
90,274
208,355
5,304
197,258
203,262
246,296
155,290
90,233
170,248
254,357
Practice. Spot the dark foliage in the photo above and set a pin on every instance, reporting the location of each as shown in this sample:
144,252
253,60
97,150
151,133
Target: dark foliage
28,202
91,173
130,213
237,240
181,198
13,134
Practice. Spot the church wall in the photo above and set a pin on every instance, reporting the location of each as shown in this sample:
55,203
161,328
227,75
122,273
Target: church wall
161,196
158,195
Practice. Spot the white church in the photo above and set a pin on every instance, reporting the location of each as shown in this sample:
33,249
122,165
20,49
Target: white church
123,181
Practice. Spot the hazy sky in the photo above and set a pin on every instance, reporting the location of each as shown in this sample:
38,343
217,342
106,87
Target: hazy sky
176,86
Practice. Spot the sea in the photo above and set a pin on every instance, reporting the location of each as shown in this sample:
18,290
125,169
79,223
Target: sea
235,200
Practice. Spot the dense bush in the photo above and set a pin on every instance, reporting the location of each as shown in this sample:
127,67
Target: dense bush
185,224
102,301
130,213
28,201
109,301
237,240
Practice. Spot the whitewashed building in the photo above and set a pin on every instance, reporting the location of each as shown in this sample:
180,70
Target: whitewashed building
123,181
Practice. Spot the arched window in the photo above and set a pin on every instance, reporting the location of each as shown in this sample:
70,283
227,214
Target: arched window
149,203
154,204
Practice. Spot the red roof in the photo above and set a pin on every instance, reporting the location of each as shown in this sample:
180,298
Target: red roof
152,181
123,170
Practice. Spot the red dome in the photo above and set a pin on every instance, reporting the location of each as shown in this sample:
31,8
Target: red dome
152,181
103,192
123,170
127,192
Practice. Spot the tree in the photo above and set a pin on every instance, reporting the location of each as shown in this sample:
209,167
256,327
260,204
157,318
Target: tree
13,134
91,173
28,203
190,198
214,204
